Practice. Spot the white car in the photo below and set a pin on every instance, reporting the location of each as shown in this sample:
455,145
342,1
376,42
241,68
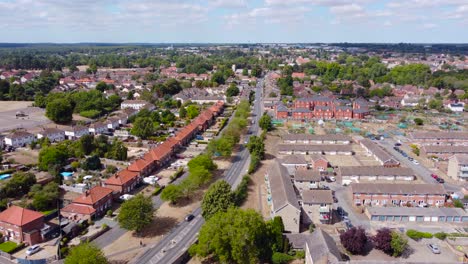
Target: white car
434,248
33,249
126,197
415,162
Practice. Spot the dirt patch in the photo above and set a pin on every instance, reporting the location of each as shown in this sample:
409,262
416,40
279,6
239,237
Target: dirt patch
23,156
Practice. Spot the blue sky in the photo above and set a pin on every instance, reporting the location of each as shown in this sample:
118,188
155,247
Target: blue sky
155,21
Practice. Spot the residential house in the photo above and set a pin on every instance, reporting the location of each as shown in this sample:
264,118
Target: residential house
439,138
289,149
432,215
305,179
99,198
294,162
281,111
21,225
372,173
78,212
320,248
443,152
19,139
389,194
53,134
343,112
98,128
381,155
112,123
319,163
302,113
123,181
76,132
456,107
458,167
316,139
283,198
134,104
318,206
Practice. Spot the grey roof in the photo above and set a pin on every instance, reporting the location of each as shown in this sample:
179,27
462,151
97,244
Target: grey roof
440,135
317,197
301,110
297,240
19,134
315,148
316,157
294,159
282,190
379,152
281,108
310,137
77,128
417,211
461,159
375,171
322,247
401,188
321,99
49,131
445,149
307,175
361,110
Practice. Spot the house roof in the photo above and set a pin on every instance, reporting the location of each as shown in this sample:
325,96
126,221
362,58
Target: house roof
19,216
374,171
19,134
314,148
322,247
307,175
139,165
399,188
122,177
78,209
93,195
317,197
439,135
445,149
379,152
50,131
294,159
461,158
282,190
310,137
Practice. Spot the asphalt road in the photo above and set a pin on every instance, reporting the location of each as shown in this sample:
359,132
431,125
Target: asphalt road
420,170
176,243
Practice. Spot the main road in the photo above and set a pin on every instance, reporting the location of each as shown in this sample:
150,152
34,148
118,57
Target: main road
177,242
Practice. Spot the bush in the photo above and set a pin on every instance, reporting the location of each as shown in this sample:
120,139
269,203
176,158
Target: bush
441,235
281,258
417,235
240,194
90,114
354,240
109,213
312,228
104,226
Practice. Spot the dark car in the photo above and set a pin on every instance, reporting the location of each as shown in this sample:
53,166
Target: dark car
397,144
440,180
189,217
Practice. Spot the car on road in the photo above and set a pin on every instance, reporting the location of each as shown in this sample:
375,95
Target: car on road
410,159
434,248
33,249
440,180
397,144
434,176
189,217
415,162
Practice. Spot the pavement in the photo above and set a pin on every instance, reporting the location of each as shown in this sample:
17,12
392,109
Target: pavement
5,261
420,170
177,242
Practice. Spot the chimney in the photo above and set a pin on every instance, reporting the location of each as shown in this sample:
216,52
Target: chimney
87,193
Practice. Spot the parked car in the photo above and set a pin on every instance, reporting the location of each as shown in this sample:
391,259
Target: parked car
434,248
434,176
410,159
440,180
333,179
126,197
33,249
397,144
189,217
416,162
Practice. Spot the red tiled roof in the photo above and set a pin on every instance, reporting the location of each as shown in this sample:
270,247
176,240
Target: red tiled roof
93,196
19,216
78,209
139,165
122,177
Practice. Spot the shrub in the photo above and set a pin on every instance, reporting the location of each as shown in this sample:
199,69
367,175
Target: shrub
109,213
354,240
399,244
312,228
240,194
441,235
104,226
417,235
281,258
382,241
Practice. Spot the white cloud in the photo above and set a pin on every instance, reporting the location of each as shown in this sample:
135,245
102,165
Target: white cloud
429,25
229,3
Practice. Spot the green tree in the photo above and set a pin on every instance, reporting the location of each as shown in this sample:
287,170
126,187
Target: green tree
234,236
172,193
218,198
245,72
136,213
18,185
118,151
232,90
218,77
419,121
85,253
143,127
256,146
59,111
265,122
182,112
202,160
192,111
51,156
101,86
275,229
399,244
92,163
46,198
86,143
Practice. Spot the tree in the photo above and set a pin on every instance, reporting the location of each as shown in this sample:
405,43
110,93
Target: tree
245,72
202,160
171,193
45,198
232,90
50,156
18,185
92,163
118,151
143,127
275,229
101,86
59,111
192,111
265,122
256,146
182,112
136,213
218,198
218,78
419,121
234,236
86,253
354,240
86,144
383,240
399,244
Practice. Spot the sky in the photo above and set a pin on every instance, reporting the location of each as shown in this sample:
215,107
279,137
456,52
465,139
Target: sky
234,21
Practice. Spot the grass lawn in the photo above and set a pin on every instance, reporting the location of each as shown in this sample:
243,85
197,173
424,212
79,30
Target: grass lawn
8,246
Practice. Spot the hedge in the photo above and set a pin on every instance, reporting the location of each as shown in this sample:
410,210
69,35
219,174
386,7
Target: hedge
417,235
441,235
281,258
240,193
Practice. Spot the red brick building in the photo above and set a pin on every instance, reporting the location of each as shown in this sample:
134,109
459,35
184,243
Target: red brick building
21,225
343,112
99,198
323,112
78,212
123,182
302,113
281,112
319,163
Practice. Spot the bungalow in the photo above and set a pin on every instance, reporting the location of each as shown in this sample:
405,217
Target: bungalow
76,132
99,198
318,206
19,139
443,152
417,214
78,212
315,149
123,181
439,138
316,139
21,225
283,198
98,128
53,134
